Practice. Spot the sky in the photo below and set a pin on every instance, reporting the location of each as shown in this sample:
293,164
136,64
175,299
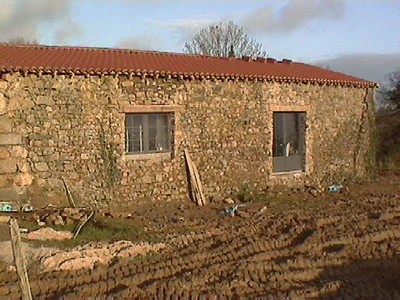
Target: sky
357,37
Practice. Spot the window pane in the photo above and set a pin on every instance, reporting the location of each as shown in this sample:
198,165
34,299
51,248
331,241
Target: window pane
162,138
291,134
152,138
134,133
134,120
279,143
147,132
152,145
152,120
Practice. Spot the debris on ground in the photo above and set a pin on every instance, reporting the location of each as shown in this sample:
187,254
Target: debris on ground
83,224
5,219
85,257
47,234
312,190
334,188
259,212
27,208
7,207
295,246
66,216
229,201
233,209
243,214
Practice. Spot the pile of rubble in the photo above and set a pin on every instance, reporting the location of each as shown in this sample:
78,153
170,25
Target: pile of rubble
86,257
62,217
47,234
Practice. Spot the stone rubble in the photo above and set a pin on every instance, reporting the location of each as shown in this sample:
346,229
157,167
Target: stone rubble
49,234
88,257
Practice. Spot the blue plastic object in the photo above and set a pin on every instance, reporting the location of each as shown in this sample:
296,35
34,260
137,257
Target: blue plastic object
335,188
231,210
7,207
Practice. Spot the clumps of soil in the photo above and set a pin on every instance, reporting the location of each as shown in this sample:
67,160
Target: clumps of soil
302,237
334,248
86,257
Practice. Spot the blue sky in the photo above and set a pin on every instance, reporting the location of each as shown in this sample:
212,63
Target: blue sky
359,37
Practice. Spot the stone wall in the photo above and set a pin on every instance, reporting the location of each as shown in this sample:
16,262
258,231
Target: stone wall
73,126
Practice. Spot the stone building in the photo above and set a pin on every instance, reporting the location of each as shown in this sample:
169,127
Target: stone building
114,124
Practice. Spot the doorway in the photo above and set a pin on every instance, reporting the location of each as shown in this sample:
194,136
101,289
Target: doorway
289,141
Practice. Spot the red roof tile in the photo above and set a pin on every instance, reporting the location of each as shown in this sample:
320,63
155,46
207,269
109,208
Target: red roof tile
79,60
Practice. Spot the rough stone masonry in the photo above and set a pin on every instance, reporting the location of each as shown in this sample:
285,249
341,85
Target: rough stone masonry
74,126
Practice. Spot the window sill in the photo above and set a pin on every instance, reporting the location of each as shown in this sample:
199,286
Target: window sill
296,172
148,156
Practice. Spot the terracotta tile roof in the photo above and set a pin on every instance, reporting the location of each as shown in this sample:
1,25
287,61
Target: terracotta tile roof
32,58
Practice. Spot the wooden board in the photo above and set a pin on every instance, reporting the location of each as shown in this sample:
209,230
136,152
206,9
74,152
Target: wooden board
191,175
195,182
19,260
199,185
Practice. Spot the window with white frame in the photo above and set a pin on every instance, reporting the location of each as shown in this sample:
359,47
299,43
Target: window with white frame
147,133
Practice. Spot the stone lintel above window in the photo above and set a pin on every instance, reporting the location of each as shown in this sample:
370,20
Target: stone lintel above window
151,108
290,108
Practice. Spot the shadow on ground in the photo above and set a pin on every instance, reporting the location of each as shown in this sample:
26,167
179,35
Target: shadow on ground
366,279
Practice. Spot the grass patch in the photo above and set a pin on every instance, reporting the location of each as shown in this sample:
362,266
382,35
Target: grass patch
246,194
284,202
100,230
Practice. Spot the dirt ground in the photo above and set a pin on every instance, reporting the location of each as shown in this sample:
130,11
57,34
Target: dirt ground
288,243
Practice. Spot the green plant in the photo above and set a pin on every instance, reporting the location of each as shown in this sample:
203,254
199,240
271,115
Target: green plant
108,151
371,155
247,194
100,229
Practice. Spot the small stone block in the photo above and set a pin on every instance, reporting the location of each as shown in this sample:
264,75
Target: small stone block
5,124
10,139
45,100
8,166
5,219
12,194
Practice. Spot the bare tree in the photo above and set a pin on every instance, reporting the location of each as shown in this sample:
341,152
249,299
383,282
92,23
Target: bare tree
388,123
224,40
393,92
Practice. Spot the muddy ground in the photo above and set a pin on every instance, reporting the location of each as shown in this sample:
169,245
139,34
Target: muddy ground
284,244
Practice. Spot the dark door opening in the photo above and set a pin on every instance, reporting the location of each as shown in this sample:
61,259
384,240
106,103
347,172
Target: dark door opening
289,141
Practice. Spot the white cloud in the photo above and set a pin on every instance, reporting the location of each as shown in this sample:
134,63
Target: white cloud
23,19
140,42
184,29
71,29
294,15
188,25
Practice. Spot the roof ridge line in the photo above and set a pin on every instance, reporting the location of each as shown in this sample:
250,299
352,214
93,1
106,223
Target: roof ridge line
88,59
107,49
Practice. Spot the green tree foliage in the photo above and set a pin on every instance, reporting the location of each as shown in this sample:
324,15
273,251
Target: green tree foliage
224,40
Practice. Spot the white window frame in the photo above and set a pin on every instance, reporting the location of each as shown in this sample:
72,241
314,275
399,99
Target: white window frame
173,112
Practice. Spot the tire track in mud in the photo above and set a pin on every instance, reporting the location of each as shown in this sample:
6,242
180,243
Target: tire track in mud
330,253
